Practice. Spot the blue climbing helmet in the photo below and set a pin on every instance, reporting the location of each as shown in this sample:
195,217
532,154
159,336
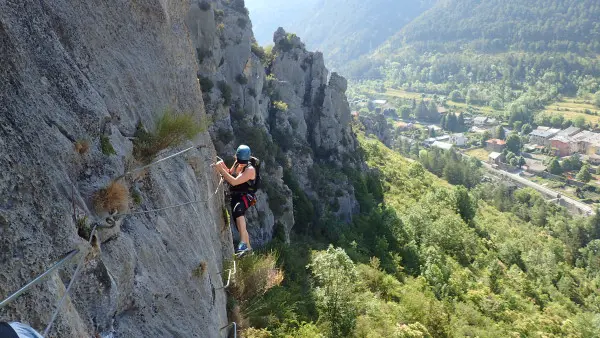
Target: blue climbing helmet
243,153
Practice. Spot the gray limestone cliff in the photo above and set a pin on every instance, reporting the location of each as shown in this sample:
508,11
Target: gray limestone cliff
75,73
70,71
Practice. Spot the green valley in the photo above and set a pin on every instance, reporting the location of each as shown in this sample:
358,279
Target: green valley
428,259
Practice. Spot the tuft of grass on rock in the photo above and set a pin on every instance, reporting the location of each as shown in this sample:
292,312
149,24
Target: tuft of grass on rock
113,198
171,130
82,147
200,270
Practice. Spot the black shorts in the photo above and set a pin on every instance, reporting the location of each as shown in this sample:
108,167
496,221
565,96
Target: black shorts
239,205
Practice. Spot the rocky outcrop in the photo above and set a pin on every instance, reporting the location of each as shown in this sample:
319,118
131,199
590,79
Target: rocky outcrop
76,82
378,126
284,104
73,71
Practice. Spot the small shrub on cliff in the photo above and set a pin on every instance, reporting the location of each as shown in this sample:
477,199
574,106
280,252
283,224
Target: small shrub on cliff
241,22
82,147
204,5
225,92
200,270
114,197
203,53
219,15
255,275
241,79
206,84
280,105
171,130
106,146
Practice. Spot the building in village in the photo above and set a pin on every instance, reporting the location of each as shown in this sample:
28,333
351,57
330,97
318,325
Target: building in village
561,145
495,144
442,145
458,140
494,157
542,135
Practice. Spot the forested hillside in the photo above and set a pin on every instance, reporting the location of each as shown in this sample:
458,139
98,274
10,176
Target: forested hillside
518,55
427,259
505,25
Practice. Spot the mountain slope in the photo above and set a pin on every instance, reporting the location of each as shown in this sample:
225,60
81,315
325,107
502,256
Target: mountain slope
497,26
345,30
517,56
268,15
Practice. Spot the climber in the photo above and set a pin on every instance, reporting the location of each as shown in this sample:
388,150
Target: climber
242,177
17,330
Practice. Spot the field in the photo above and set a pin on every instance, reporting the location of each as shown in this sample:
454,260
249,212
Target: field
572,108
480,154
455,106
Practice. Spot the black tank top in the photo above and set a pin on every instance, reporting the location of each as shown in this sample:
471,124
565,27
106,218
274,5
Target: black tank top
244,187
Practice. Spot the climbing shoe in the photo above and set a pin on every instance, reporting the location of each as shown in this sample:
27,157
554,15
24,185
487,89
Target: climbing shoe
242,249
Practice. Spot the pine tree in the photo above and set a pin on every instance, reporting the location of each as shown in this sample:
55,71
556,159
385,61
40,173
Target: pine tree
500,134
461,122
584,174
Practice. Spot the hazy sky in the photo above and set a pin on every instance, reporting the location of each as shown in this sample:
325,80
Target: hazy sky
268,15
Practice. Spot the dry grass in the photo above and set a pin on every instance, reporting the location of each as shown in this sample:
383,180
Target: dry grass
115,197
82,147
200,270
480,154
255,275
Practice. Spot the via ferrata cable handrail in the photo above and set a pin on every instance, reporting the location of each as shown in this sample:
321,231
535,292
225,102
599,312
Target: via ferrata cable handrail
40,278
160,160
73,279
110,219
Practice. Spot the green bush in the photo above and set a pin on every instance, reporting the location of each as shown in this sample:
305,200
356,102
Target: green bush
204,5
206,84
252,92
241,22
106,146
219,15
280,105
241,79
171,130
225,92
203,53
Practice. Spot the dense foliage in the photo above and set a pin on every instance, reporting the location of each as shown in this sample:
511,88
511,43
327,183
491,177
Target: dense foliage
427,259
515,56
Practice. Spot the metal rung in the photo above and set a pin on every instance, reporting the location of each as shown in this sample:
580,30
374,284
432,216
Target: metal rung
234,329
229,277
40,278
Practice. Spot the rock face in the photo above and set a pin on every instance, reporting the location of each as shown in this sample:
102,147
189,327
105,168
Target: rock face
284,105
73,71
75,74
